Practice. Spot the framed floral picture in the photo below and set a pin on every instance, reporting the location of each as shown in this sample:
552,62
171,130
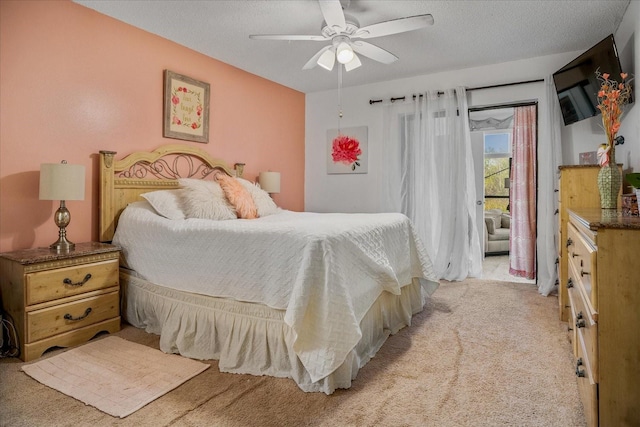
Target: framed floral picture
347,150
186,108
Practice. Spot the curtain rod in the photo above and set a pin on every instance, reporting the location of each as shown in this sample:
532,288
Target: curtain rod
402,98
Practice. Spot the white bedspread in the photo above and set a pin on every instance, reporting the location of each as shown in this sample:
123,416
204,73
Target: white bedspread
324,270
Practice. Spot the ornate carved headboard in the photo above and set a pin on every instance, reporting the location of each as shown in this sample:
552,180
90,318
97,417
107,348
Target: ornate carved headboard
123,181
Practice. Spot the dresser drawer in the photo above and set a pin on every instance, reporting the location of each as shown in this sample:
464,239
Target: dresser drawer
587,386
572,318
50,285
51,321
584,326
582,254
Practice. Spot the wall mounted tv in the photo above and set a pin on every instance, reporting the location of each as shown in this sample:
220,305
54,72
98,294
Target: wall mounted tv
576,82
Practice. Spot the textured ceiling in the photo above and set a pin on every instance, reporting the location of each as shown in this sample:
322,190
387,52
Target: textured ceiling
465,33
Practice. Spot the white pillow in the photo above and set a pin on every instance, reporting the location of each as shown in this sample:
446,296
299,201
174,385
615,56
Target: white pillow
166,203
205,200
263,201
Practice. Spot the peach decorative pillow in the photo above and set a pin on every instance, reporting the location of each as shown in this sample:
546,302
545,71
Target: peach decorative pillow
263,201
238,196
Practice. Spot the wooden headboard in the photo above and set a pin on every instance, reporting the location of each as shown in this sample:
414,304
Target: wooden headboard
123,181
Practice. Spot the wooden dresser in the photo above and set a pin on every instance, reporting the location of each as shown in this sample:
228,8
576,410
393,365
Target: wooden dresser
60,299
578,188
603,288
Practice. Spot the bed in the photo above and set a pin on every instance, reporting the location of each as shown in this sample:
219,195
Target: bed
299,295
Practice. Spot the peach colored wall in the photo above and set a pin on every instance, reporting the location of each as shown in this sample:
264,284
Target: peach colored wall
73,82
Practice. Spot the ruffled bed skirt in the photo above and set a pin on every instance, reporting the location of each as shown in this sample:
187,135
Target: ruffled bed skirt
249,338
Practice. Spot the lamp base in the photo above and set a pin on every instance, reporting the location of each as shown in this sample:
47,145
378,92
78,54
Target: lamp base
62,245
62,218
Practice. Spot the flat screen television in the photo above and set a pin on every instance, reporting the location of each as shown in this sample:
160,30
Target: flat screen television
576,82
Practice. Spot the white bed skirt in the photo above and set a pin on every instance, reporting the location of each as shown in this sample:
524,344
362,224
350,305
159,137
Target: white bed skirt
249,338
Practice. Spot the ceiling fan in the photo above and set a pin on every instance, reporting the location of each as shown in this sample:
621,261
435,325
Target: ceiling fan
344,33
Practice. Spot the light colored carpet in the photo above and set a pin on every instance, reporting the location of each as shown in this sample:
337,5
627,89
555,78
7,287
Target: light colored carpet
482,353
496,267
114,375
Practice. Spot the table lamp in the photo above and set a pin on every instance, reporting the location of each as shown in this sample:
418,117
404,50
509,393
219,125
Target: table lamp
62,181
269,182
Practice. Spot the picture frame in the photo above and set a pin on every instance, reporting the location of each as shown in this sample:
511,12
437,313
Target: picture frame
350,158
186,108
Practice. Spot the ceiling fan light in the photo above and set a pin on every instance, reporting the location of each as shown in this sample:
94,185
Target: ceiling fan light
344,53
353,64
327,59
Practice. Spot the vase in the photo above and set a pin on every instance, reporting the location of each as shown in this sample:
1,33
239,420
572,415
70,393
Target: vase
609,182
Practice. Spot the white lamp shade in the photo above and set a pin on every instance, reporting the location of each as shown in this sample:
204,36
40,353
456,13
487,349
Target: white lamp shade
327,59
61,181
344,53
270,181
353,64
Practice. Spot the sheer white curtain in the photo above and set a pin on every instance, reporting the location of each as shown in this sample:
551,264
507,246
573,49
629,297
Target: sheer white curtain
429,177
549,158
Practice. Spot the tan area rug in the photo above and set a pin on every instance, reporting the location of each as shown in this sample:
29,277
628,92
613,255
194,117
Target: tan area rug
114,375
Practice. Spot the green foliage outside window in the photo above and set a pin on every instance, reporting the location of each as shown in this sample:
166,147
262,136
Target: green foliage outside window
496,169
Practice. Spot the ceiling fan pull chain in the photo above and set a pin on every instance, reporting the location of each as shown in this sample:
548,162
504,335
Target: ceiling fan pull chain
339,98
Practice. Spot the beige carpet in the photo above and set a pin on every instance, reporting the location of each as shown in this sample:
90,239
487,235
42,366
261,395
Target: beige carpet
480,354
496,267
114,375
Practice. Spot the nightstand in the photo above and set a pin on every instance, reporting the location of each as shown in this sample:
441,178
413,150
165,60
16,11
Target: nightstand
60,299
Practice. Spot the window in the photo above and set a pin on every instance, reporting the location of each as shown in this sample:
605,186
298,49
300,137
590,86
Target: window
497,144
497,167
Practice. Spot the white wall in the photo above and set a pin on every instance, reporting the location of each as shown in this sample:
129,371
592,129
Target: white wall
360,193
588,134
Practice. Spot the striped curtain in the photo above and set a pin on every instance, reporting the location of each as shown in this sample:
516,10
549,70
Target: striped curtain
522,241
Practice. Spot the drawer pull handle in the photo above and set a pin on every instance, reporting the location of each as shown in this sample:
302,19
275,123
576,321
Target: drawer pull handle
557,261
570,283
573,255
582,272
579,372
569,242
68,281
580,323
75,319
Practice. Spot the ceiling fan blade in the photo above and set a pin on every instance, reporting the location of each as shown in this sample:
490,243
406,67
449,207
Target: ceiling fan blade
287,37
314,59
394,26
374,52
333,14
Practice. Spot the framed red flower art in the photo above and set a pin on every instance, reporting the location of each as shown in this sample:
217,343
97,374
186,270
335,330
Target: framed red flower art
186,108
347,150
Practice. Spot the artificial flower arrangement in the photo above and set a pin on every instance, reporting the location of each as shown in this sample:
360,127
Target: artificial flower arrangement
611,98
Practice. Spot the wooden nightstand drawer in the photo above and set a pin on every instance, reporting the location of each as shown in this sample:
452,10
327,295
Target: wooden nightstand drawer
61,318
60,299
50,285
